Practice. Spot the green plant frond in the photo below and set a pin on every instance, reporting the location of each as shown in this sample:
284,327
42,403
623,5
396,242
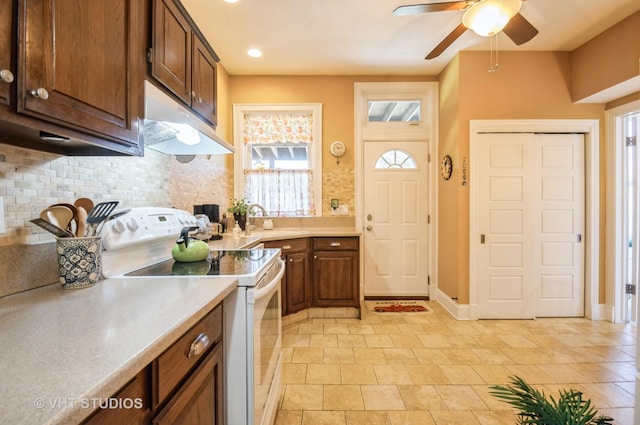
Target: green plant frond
535,408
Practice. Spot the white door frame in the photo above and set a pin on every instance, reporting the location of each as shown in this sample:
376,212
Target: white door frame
362,91
593,309
615,240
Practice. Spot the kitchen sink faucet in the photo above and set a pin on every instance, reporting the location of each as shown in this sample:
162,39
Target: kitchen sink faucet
249,226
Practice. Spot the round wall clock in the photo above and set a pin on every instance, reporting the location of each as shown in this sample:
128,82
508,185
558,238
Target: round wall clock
446,168
337,149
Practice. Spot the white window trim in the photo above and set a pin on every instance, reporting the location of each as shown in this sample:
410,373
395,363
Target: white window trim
315,154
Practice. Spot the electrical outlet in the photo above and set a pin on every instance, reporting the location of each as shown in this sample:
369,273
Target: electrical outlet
1,215
343,209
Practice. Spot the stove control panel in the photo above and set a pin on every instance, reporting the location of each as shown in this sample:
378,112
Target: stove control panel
144,225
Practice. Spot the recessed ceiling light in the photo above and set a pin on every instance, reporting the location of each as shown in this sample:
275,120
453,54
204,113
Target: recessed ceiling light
254,53
231,1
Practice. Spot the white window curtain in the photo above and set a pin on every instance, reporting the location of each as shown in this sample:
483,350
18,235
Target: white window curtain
281,192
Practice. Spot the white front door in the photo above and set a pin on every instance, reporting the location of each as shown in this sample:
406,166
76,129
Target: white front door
531,223
395,218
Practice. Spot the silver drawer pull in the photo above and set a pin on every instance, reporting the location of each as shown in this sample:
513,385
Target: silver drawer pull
6,76
198,346
40,93
286,247
335,243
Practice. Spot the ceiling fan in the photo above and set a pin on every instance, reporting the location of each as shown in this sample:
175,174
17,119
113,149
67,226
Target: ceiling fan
485,17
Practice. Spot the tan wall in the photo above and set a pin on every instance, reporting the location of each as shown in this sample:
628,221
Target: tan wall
449,273
335,93
527,85
611,58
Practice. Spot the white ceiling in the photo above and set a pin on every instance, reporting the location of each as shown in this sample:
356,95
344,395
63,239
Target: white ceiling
362,37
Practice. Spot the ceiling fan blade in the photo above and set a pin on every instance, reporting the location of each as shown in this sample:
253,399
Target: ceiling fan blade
433,7
520,30
448,40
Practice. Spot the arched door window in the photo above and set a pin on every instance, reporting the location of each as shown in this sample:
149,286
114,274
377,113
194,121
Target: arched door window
395,159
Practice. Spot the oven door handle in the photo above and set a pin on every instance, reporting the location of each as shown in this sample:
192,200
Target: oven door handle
267,287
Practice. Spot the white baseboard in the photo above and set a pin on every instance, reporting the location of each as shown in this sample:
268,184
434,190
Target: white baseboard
598,312
458,311
468,312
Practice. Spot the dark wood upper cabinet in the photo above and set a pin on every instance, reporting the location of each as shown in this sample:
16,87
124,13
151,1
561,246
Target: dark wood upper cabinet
7,76
79,66
181,60
204,82
172,36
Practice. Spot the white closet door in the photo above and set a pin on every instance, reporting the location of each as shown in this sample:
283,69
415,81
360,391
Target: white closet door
531,221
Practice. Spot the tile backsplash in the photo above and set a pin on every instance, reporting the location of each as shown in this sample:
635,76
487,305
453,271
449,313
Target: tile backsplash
31,180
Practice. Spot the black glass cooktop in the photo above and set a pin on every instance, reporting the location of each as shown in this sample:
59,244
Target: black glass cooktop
219,263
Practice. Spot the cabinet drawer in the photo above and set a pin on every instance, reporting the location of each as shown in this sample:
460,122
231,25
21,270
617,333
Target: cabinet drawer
335,244
289,245
175,363
134,399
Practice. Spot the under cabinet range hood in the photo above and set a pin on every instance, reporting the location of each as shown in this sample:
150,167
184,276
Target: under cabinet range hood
172,129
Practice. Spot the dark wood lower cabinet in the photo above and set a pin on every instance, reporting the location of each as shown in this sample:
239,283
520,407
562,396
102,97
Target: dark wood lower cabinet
296,284
200,399
335,279
134,399
180,387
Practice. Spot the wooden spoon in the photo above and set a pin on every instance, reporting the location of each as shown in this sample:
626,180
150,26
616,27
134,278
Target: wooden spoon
73,224
81,230
85,203
61,214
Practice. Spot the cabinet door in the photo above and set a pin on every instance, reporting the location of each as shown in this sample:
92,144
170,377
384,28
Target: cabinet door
204,82
200,399
80,65
6,73
335,279
296,283
172,38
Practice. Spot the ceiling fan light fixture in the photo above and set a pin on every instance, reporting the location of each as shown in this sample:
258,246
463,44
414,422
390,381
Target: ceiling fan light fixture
489,17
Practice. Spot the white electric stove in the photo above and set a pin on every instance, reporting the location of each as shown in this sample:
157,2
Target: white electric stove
137,244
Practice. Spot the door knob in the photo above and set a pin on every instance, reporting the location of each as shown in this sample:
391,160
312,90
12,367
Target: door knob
369,228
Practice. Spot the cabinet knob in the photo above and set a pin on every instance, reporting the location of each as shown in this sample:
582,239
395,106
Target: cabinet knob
40,93
369,228
335,244
198,345
6,76
286,247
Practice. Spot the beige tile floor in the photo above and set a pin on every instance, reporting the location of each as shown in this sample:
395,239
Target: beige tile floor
430,369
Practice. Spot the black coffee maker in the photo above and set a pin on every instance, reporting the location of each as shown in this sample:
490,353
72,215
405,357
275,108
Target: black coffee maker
213,212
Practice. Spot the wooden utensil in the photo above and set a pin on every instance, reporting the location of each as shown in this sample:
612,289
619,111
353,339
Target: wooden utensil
85,203
63,215
73,225
81,220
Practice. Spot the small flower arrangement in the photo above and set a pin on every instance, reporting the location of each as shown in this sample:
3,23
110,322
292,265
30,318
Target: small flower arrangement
239,206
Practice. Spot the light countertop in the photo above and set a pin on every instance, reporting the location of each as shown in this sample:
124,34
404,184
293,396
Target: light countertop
261,235
62,348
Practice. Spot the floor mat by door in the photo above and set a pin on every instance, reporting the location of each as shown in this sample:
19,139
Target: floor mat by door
397,306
